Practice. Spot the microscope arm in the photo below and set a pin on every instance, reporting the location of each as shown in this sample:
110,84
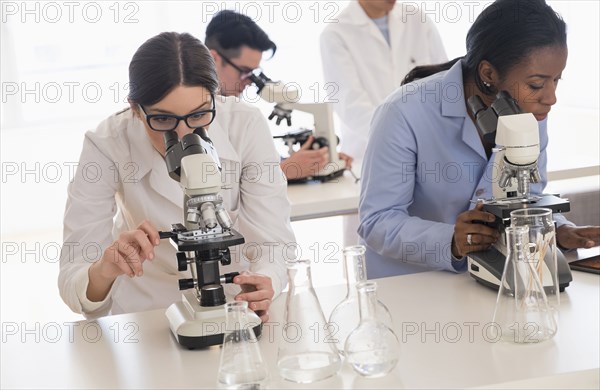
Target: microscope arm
286,101
203,243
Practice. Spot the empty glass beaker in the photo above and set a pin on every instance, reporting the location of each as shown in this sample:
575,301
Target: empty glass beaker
522,312
307,352
345,316
241,365
542,246
372,348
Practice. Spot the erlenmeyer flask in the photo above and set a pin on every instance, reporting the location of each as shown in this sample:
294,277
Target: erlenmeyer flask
241,365
542,246
522,311
345,316
307,352
372,348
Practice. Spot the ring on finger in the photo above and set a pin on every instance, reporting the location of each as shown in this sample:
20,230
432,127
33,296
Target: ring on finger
470,239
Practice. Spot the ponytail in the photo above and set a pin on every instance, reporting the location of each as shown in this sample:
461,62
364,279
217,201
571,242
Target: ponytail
420,72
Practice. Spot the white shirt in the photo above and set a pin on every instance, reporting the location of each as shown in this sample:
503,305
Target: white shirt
358,60
122,180
384,27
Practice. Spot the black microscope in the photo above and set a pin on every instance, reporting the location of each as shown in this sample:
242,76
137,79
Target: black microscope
202,242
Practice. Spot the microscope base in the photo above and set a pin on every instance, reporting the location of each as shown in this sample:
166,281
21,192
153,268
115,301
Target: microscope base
320,178
195,326
486,267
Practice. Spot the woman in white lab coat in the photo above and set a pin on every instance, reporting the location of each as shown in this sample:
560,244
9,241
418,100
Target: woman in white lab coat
112,259
366,55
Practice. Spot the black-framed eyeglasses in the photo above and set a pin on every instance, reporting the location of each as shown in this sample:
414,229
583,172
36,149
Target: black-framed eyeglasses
245,73
168,122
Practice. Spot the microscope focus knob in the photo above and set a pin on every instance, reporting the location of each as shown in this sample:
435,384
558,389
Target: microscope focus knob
186,284
319,142
182,262
212,295
226,257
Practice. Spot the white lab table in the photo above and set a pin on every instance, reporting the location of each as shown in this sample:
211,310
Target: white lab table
440,319
316,200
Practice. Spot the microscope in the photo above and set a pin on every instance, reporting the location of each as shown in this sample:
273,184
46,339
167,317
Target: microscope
286,100
517,133
202,242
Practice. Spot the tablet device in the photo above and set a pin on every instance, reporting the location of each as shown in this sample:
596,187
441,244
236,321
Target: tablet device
591,264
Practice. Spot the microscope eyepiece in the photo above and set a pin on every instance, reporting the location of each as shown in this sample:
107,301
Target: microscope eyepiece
505,104
475,105
171,139
260,80
487,117
201,131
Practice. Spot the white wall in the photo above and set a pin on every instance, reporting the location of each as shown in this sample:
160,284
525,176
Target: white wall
64,68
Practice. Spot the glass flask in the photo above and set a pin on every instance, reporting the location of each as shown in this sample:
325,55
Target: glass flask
522,312
345,316
307,352
241,365
372,348
542,245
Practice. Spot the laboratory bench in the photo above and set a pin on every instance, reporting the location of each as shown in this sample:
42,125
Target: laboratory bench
442,320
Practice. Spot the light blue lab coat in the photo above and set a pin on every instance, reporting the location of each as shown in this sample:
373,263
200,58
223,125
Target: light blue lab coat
423,164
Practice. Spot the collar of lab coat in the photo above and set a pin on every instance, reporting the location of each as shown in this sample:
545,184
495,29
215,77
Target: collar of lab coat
141,149
452,85
453,105
149,161
355,15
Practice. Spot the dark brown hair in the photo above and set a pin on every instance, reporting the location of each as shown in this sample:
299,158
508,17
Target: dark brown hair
504,34
166,61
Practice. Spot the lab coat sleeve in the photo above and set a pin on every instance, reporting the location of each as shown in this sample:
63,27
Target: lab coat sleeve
88,223
386,225
353,103
264,217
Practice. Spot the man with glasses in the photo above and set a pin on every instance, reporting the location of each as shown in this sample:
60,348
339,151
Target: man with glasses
237,44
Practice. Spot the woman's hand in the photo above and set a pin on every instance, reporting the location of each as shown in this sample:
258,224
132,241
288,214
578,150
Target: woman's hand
571,237
347,159
124,256
257,290
470,236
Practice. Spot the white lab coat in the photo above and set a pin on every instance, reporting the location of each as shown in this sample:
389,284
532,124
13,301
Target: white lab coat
122,180
359,61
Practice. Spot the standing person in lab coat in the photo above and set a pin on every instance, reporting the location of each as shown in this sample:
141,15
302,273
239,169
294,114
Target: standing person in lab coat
427,161
237,44
366,54
121,196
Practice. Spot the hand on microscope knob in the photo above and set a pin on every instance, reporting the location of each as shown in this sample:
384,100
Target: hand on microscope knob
257,290
571,237
306,161
127,254
347,159
470,234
